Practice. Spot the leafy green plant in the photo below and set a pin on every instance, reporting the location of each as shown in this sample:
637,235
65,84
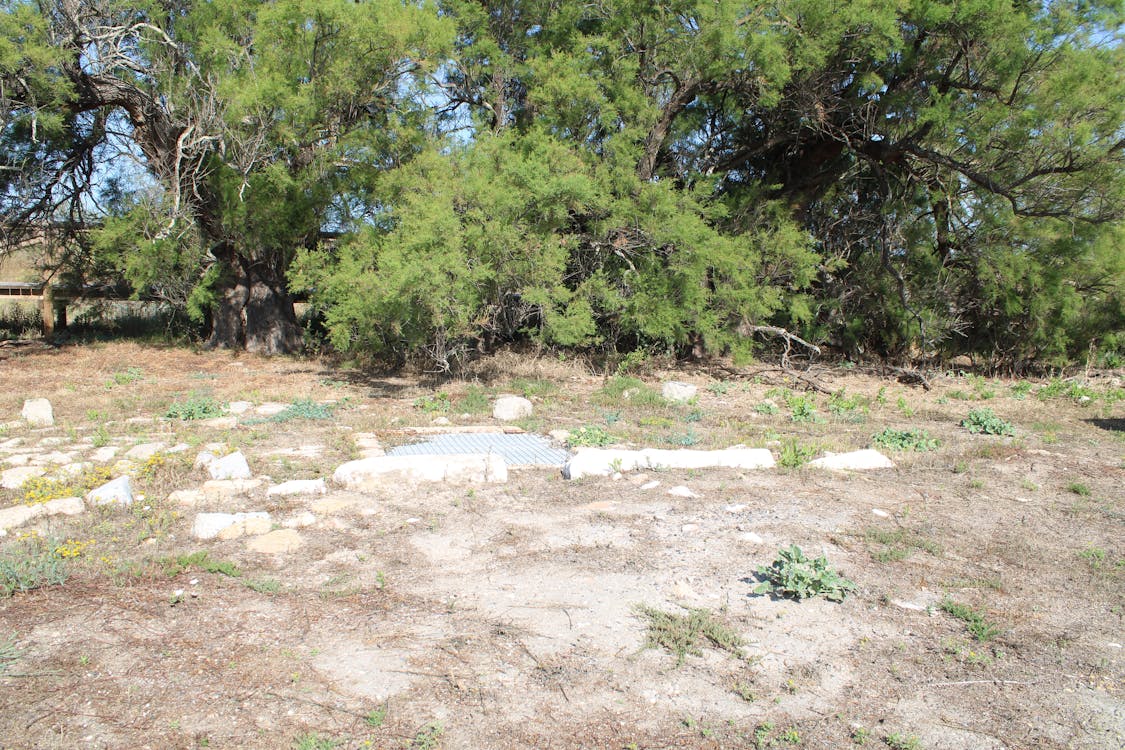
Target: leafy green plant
313,741
802,408
622,388
125,377
31,564
263,585
793,454
719,387
688,633
767,408
851,408
985,421
428,737
1078,488
685,440
438,403
194,407
589,436
795,576
1020,390
375,717
173,566
896,741
905,440
534,387
979,627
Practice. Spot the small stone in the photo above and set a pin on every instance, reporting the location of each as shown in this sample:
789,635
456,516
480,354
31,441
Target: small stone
334,503
375,473
239,407
178,448
103,454
11,444
751,537
37,412
687,528
559,436
13,479
863,460
19,459
233,466
681,491
880,513
271,408
298,487
229,525
736,508
508,408
276,542
144,451
908,605
18,515
55,457
682,590
299,521
651,485
53,441
617,476
188,498
678,392
64,506
117,492
440,421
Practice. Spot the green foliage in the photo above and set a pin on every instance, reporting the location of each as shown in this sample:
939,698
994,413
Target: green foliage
793,454
850,408
304,408
428,737
803,408
623,389
313,741
797,577
589,436
194,407
896,741
475,401
9,653
905,440
979,627
30,564
438,403
687,634
767,408
1078,488
985,421
201,560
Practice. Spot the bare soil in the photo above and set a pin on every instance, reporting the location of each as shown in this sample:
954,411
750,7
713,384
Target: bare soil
507,615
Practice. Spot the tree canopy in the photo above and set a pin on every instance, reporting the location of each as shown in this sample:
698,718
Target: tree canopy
901,178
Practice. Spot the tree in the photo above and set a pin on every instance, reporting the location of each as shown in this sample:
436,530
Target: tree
250,116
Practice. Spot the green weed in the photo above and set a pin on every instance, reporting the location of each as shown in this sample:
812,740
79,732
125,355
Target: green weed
9,653
978,627
898,741
31,564
795,576
985,421
428,737
802,408
899,544
688,633
793,454
263,585
302,408
589,436
438,403
632,390
767,408
194,407
173,566
1078,488
905,440
475,401
313,741
375,717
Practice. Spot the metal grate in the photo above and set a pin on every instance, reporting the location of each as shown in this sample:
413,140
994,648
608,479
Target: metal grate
517,450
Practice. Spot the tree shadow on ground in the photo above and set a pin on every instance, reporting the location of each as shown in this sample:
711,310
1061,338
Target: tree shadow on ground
1114,424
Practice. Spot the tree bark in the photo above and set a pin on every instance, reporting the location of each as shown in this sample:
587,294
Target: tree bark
270,321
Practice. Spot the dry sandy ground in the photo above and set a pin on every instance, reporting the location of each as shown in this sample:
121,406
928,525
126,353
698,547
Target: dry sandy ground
509,615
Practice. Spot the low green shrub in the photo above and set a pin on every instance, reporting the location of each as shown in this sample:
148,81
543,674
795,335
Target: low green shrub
985,422
905,440
795,576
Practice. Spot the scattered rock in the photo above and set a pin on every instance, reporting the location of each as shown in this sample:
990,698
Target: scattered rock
880,513
37,412
54,457
103,454
275,542
605,461
913,607
188,498
735,508
688,528
73,470
335,503
13,479
751,537
371,473
863,460
271,408
229,525
509,408
651,485
116,492
681,491
683,590
233,466
559,436
11,443
239,407
678,392
178,448
19,459
144,451
299,487
299,521
18,515
440,421
51,441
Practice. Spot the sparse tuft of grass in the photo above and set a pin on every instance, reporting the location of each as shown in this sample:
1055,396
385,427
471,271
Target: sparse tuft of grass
899,544
688,633
622,388
428,737
438,403
263,585
313,741
9,653
173,566
475,401
793,454
1078,488
898,741
978,627
29,565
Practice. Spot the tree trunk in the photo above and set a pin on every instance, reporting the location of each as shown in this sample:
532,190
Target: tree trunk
254,312
271,322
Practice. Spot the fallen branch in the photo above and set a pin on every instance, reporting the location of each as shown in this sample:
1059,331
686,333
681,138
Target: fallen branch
790,339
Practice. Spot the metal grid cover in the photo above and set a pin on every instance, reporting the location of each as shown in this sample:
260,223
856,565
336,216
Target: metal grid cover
517,450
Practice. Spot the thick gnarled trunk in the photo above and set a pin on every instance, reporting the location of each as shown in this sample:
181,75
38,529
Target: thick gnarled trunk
254,312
